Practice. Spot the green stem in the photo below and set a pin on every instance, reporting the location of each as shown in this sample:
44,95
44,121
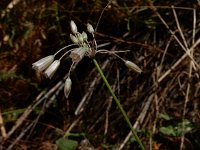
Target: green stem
118,104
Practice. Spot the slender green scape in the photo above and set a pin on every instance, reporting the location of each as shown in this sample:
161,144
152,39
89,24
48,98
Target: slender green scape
118,104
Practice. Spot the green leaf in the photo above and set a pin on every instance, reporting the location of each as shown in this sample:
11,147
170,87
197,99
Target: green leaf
165,116
177,129
169,130
66,144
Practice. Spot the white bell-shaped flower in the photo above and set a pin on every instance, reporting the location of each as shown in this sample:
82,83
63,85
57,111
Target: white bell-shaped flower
43,63
78,53
49,72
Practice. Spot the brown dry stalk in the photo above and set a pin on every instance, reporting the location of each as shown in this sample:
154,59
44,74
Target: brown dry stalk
189,76
2,127
175,37
179,61
179,28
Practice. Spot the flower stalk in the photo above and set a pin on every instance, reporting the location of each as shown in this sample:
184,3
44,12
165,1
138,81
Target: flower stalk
118,104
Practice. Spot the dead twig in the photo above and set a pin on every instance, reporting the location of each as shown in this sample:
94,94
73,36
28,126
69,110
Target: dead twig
175,37
2,127
188,85
179,61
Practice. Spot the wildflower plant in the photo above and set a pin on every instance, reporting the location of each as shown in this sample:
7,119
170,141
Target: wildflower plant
81,48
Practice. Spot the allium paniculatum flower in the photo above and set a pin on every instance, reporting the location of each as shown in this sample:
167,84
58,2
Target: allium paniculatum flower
43,63
80,48
78,53
49,72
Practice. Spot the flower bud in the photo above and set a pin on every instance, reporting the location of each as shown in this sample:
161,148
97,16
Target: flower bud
73,27
43,63
52,69
132,66
67,87
80,38
78,53
84,35
90,28
74,39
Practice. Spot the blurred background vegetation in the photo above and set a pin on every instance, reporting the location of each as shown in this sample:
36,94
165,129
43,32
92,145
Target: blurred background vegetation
162,111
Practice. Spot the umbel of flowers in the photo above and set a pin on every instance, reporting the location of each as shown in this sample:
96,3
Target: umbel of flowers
49,64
